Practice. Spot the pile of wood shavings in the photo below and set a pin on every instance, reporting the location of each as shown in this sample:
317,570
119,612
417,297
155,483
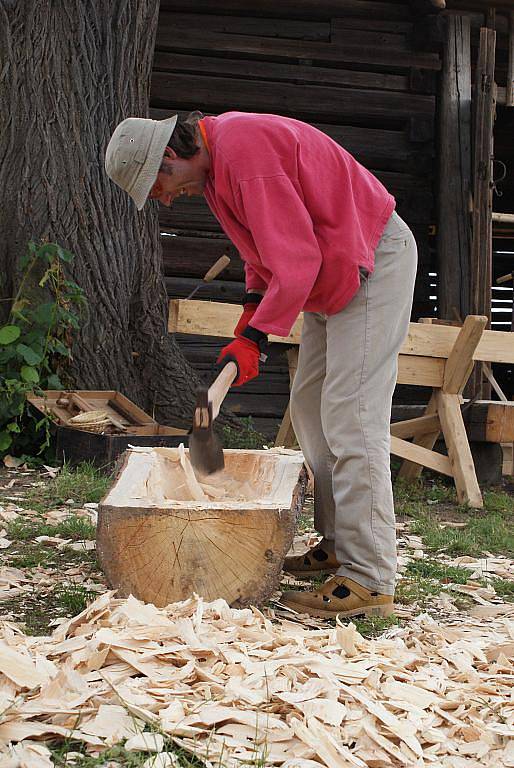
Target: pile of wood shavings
231,685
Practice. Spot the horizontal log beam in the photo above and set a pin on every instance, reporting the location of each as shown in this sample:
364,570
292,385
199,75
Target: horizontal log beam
212,66
305,101
490,421
352,52
295,9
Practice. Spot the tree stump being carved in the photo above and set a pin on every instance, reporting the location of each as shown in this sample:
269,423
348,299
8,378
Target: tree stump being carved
164,535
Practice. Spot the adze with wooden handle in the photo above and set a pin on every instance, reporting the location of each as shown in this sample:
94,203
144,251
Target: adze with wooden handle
205,449
211,273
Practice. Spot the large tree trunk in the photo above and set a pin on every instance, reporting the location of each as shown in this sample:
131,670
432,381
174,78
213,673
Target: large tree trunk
69,73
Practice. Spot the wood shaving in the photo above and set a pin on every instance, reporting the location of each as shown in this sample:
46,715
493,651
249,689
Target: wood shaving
235,685
194,486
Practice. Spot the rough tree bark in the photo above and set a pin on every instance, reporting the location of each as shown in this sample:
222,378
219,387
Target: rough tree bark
69,72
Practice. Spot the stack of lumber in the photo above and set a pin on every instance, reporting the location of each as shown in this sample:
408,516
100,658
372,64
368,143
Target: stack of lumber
231,685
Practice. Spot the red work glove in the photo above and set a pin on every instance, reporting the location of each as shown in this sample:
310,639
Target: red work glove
250,304
245,354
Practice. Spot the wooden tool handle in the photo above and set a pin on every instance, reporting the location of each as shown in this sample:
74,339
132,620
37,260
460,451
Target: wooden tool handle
216,268
505,278
218,390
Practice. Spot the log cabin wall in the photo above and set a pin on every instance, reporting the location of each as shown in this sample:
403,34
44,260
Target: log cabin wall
363,71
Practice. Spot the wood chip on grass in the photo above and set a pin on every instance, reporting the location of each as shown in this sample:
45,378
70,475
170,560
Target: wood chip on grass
233,685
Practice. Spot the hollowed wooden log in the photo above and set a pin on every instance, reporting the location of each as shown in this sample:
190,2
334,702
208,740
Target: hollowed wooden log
158,542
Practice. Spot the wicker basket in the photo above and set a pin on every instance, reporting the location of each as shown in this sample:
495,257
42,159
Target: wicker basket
91,421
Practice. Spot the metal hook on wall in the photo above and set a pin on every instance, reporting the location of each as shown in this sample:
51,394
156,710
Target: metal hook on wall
503,176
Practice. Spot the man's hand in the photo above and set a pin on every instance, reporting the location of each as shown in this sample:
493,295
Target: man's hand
245,354
250,304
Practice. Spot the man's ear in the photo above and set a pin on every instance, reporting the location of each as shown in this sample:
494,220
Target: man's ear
169,152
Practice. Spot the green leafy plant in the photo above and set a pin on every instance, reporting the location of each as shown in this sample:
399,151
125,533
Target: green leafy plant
244,436
35,341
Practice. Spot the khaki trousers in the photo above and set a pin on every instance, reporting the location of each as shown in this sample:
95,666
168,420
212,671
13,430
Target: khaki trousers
341,409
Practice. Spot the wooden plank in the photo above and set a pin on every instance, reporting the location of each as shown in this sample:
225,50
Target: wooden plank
430,341
504,218
460,361
479,5
302,101
459,452
453,231
213,66
420,426
295,9
244,25
411,469
438,341
341,25
177,261
351,52
218,290
421,456
215,318
420,371
366,36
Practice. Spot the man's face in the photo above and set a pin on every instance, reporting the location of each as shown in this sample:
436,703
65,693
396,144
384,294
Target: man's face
178,177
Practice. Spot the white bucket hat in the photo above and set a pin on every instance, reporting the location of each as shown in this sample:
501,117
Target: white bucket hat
134,154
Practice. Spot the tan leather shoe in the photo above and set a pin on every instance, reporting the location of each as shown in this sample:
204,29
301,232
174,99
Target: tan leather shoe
314,562
339,596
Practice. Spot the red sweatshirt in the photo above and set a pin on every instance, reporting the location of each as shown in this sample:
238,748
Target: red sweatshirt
302,212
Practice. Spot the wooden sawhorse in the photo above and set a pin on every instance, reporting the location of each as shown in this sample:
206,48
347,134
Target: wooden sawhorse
436,356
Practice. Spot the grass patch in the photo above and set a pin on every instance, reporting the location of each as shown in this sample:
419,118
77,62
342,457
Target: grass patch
491,532
433,569
74,527
31,557
418,492
500,502
120,757
72,599
373,626
504,588
28,554
84,483
429,504
306,517
416,590
32,611
36,609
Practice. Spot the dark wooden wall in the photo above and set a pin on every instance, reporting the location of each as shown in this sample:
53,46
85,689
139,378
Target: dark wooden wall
353,68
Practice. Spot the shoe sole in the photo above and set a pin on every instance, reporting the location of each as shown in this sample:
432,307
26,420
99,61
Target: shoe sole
382,611
307,574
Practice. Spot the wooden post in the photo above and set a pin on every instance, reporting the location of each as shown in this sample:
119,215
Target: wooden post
286,436
459,452
482,243
509,99
454,233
